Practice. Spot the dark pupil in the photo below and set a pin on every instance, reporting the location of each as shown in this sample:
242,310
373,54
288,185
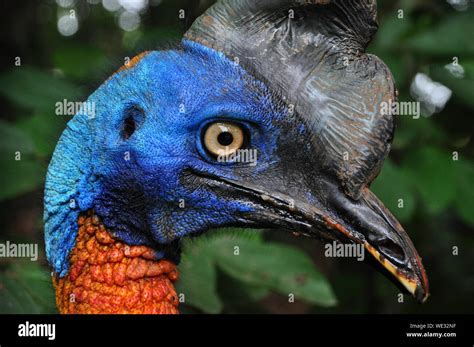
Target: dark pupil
129,127
225,139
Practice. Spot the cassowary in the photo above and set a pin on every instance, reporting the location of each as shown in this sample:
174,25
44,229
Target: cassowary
287,80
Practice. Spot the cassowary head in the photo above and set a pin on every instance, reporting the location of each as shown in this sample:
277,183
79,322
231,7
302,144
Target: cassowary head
267,116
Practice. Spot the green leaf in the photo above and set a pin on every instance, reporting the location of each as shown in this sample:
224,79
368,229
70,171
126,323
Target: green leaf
79,60
197,280
18,176
433,173
44,130
465,194
198,271
240,297
254,292
138,40
13,139
260,267
393,184
446,38
280,268
462,88
397,67
411,131
26,288
392,30
35,89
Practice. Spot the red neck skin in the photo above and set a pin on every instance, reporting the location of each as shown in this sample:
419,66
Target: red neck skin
106,276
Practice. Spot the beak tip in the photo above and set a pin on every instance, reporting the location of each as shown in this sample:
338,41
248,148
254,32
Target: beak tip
423,289
421,294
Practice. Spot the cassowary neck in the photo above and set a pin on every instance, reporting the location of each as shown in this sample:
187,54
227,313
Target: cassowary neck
108,276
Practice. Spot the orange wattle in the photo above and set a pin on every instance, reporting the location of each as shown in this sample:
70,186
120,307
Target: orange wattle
108,276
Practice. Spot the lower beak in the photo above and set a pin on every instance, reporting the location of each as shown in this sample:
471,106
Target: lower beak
368,222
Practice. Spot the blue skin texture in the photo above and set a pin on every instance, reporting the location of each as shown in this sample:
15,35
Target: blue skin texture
135,185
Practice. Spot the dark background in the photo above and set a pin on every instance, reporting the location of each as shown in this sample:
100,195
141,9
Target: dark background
437,191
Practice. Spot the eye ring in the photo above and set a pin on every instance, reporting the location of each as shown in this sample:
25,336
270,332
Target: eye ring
224,138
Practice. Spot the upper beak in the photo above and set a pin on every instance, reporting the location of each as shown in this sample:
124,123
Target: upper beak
364,221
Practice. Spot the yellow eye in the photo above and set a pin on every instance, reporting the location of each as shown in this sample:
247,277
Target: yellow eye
222,138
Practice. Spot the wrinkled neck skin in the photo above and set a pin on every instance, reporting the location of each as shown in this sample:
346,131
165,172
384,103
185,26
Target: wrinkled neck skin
106,276
94,272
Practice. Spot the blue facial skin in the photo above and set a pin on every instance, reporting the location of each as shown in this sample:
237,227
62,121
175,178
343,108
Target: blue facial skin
135,184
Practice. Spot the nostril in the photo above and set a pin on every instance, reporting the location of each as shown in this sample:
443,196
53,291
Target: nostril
392,251
133,118
128,127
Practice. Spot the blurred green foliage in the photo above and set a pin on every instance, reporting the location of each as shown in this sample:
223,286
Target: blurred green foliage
437,206
244,256
26,288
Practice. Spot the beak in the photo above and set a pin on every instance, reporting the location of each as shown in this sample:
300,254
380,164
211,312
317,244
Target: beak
365,221
368,222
